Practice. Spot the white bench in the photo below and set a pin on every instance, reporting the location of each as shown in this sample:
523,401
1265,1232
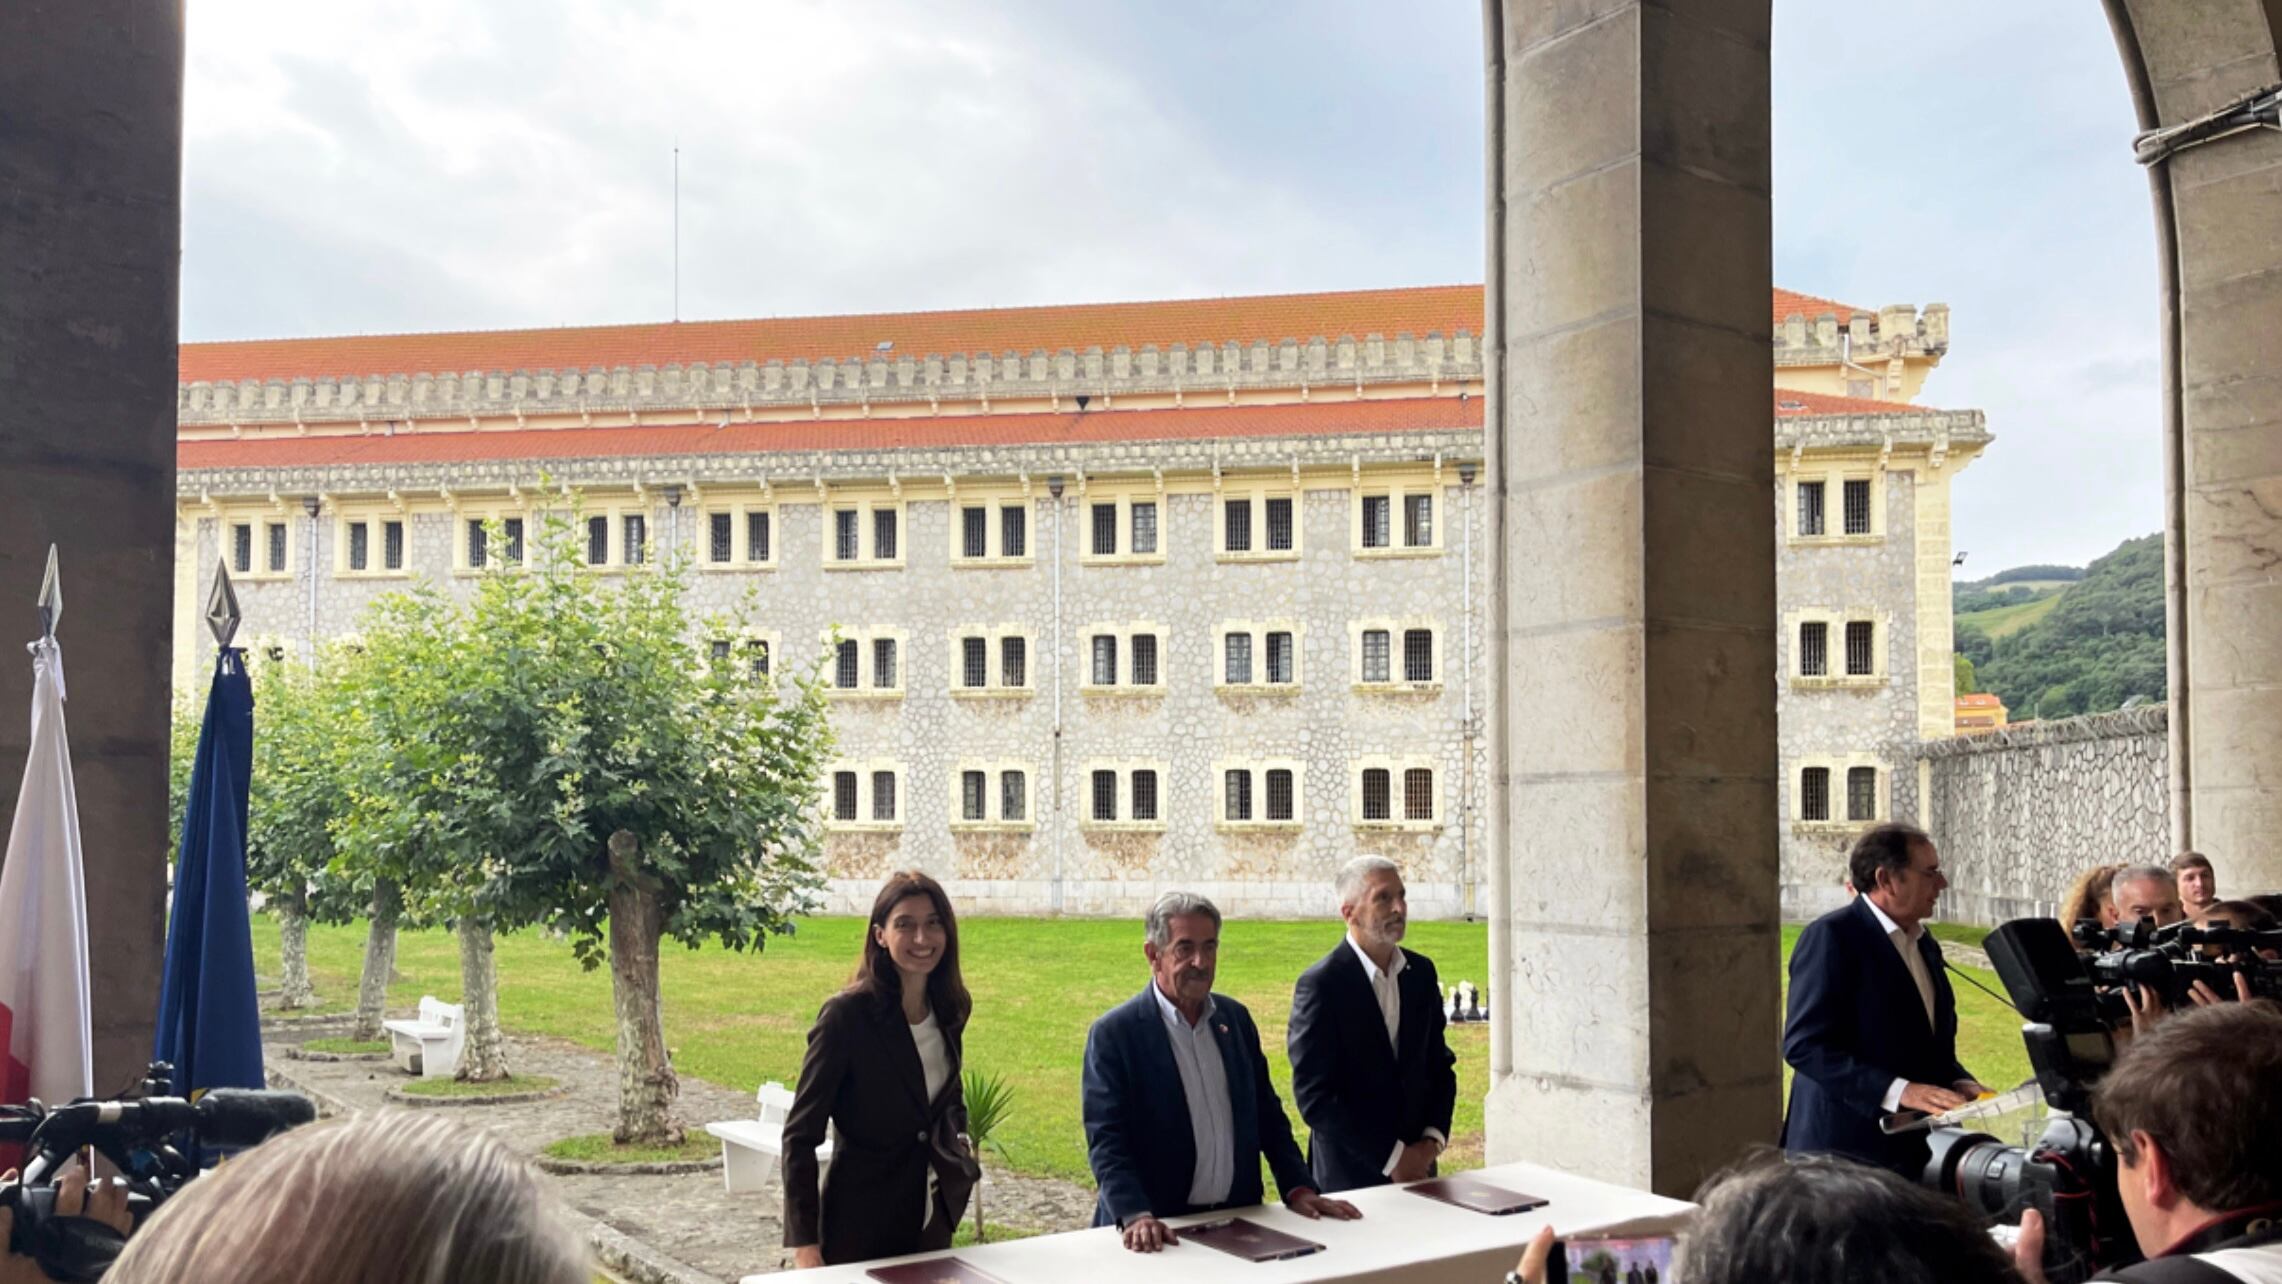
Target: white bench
752,1149
429,1046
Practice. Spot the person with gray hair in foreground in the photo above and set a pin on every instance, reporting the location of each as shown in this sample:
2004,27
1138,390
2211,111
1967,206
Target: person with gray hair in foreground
1372,1073
1178,1106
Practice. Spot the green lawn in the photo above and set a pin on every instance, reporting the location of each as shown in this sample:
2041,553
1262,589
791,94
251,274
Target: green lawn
737,1020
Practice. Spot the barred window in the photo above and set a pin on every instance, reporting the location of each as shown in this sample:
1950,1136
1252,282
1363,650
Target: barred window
597,541
1814,649
1145,795
844,535
277,546
883,795
360,546
756,537
883,534
973,794
1418,793
637,539
1144,659
974,531
1239,647
721,532
1810,508
1279,657
1013,531
1378,803
843,795
757,658
1105,659
1814,793
974,662
1238,524
1013,796
883,664
1418,521
1144,528
392,546
478,543
1279,525
1238,784
513,529
1861,659
1279,790
844,665
1377,532
1857,501
1104,795
1375,655
1418,655
242,548
1105,530
718,649
1862,793
1013,662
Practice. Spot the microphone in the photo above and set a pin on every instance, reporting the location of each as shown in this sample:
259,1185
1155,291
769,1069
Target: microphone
249,1116
220,1117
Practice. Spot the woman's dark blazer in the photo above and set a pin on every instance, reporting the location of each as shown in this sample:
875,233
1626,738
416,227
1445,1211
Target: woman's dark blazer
862,1075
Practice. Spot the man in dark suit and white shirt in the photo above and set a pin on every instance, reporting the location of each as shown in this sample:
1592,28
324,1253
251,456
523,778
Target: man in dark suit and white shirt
1179,1110
1372,1073
1872,1026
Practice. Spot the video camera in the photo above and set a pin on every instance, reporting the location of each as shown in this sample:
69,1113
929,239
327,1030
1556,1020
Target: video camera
2169,960
145,1133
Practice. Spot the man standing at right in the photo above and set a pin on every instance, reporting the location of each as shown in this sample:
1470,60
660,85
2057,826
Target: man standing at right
2198,883
1872,1026
1372,1073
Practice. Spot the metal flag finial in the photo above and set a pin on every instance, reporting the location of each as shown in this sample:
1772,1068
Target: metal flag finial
51,598
222,615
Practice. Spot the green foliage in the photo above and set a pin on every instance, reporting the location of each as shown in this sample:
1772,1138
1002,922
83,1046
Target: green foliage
990,1099
512,1085
2038,571
1965,682
1966,601
305,732
2100,644
598,1148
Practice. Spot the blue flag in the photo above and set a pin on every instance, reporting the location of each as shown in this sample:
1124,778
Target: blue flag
209,1020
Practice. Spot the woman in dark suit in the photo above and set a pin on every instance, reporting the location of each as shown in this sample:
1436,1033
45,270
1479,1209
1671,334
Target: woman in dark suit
883,1070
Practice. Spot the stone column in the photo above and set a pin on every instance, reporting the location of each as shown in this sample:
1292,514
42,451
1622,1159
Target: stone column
1632,589
2215,219
90,235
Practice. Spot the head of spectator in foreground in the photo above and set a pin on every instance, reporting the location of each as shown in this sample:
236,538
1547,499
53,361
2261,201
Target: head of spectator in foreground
914,934
391,1197
1896,866
2147,892
1371,899
1183,948
2198,883
2088,897
1819,1219
2193,1115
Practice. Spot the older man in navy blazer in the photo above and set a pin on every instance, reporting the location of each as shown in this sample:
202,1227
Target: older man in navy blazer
1178,1106
1872,1027
1372,1072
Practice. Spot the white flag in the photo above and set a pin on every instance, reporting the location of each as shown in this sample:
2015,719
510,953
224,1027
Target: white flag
44,1025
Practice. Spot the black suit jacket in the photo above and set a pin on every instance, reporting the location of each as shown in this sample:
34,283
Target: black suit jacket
862,1075
1855,1025
1138,1137
1359,1094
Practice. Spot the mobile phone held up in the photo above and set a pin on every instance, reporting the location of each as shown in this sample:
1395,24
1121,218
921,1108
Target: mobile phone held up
1592,1259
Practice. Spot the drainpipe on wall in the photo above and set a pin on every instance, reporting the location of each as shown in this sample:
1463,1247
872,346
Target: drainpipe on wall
1061,662
673,520
1466,879
309,572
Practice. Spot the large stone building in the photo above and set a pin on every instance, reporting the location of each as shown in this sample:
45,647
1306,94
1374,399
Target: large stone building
1113,596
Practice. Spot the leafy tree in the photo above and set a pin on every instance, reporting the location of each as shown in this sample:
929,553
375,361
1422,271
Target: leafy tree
1973,642
1965,683
2102,643
2038,571
303,731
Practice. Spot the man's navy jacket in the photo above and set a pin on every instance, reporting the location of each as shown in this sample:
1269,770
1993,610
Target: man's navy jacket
1855,1025
1138,1137
1359,1094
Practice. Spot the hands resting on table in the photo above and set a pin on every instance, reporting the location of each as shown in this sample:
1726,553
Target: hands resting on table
1145,1234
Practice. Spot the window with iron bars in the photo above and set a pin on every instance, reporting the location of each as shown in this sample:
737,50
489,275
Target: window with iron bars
478,544
974,531
1814,649
1144,659
636,537
1239,668
721,537
973,795
277,546
974,662
1810,508
757,657
1857,501
1237,525
883,664
756,537
1013,531
883,795
1104,795
1105,530
392,546
1144,529
1144,794
1418,521
1377,529
1861,655
845,535
843,795
718,649
845,662
1013,796
1279,794
1418,793
360,546
1279,525
242,548
1378,802
1418,655
1238,786
1280,658
513,529
1862,793
1105,659
1013,662
597,541
1375,657
1814,793
883,534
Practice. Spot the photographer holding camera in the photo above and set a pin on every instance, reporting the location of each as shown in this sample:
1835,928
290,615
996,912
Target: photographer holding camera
2193,1110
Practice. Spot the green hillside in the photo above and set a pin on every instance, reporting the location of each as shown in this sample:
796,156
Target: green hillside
2084,649
2004,621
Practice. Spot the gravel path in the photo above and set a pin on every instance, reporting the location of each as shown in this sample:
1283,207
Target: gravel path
685,1228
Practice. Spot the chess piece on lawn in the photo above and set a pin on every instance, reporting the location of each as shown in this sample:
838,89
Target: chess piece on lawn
1474,1005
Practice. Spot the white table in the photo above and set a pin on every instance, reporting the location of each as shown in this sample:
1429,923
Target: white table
1400,1237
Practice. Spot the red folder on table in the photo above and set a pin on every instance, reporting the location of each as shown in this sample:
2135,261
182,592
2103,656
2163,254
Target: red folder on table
1249,1240
1479,1196
939,1270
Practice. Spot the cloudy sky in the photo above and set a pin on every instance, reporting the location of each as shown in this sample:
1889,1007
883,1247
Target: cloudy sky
356,166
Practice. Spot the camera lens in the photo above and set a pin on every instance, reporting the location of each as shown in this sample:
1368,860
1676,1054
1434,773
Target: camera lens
1978,1169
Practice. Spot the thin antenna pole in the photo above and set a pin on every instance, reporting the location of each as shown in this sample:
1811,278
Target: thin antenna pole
677,229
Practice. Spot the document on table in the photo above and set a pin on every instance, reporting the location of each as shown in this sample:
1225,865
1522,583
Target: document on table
1478,1196
1249,1240
938,1270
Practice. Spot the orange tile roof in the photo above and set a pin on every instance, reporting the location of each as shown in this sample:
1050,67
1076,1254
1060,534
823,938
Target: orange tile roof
1812,306
1792,404
1983,701
1417,310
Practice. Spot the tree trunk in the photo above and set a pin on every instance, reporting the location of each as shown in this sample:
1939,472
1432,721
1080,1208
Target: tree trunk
293,929
379,960
485,1056
647,1084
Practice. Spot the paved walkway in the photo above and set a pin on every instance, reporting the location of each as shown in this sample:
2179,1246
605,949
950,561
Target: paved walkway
684,1228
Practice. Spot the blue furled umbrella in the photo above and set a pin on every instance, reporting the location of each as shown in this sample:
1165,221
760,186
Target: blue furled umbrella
209,1021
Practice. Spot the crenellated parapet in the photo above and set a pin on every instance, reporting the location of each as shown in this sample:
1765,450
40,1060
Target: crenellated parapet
771,389
1939,433
1899,332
